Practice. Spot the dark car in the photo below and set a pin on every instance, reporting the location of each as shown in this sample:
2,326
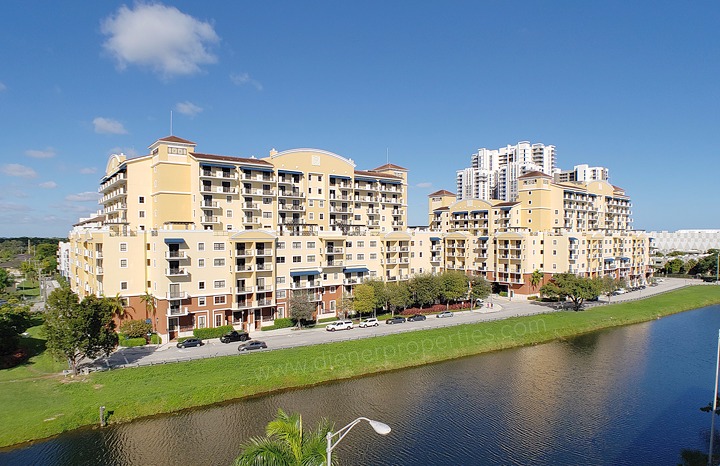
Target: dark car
395,320
190,342
251,345
416,318
234,336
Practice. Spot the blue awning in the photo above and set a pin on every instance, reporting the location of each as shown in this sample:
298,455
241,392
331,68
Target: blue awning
478,211
363,178
624,258
609,259
258,169
340,177
435,238
219,165
174,241
573,239
391,182
356,270
462,212
300,273
483,238
290,172
505,208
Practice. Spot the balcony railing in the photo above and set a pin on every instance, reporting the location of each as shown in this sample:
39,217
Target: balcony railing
211,219
175,255
177,311
176,295
176,272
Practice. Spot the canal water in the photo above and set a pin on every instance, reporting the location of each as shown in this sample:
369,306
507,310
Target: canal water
623,396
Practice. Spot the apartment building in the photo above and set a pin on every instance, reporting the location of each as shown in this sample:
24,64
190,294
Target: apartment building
579,227
582,172
493,173
216,240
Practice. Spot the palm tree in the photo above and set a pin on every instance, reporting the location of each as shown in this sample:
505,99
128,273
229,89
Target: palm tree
286,444
118,305
536,278
149,301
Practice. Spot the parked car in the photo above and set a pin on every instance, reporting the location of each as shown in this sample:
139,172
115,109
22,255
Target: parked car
190,342
445,314
234,336
416,318
619,291
395,320
371,322
339,325
251,345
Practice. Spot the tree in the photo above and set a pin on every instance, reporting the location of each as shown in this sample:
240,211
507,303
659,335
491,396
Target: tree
118,305
479,288
674,265
287,444
425,289
150,307
75,329
364,298
609,284
135,328
399,296
14,320
345,305
382,296
453,286
28,269
536,278
568,285
6,280
300,307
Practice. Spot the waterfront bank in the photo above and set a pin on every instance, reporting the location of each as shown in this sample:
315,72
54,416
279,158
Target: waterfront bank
40,408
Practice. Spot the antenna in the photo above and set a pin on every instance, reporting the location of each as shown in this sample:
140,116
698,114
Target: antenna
171,129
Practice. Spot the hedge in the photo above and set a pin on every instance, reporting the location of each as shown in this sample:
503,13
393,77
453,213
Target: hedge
435,308
132,342
155,339
279,323
207,333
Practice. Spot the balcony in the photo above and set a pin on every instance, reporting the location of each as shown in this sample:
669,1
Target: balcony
175,255
263,252
177,311
179,272
244,290
334,264
210,219
244,268
291,193
334,250
99,271
210,204
244,252
265,302
291,207
243,304
251,221
176,295
251,206
264,267
304,285
264,288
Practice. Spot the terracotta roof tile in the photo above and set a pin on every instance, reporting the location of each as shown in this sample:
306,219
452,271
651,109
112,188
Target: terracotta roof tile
376,174
505,204
441,208
391,166
442,192
228,158
534,174
176,139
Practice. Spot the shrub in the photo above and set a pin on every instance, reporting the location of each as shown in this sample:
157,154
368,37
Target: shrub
155,339
207,333
283,323
132,342
181,339
503,294
135,328
532,298
327,319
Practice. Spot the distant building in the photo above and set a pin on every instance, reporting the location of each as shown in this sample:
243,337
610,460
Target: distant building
685,240
582,172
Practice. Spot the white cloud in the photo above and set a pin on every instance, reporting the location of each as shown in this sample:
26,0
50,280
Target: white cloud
48,185
108,126
243,78
82,197
15,169
8,206
426,184
160,37
128,151
41,154
3,87
188,108
88,170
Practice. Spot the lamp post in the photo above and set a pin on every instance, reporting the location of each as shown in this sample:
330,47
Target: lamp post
379,427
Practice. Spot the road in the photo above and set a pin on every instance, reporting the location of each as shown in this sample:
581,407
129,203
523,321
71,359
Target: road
287,338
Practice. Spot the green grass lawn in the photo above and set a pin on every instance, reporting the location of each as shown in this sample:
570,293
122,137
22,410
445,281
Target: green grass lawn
36,407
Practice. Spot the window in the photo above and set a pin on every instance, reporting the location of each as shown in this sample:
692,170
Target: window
333,289
218,262
311,203
123,285
123,263
267,200
348,257
201,322
218,320
281,294
228,213
312,216
280,280
311,258
141,200
141,214
218,246
280,260
361,257
361,244
358,218
219,299
201,301
219,284
311,244
322,204
123,247
281,245
348,244
373,256
373,244
267,214
332,305
201,246
296,245
322,216
297,259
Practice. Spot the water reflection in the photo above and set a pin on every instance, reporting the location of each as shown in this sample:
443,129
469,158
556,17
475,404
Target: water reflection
622,396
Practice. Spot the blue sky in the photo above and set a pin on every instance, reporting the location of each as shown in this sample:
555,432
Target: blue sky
632,86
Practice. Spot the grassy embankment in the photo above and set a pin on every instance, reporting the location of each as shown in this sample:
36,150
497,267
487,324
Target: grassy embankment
37,407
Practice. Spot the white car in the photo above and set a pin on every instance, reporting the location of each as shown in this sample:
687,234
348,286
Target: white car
339,325
372,322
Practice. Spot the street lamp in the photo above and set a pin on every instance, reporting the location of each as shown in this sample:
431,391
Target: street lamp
379,427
